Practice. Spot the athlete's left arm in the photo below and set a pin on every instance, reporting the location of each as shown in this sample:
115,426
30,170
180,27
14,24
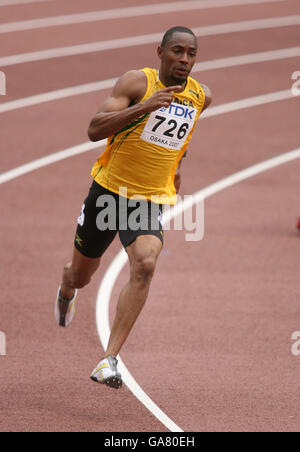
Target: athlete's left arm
208,97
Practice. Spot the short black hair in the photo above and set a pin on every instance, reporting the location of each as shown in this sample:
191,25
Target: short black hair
168,35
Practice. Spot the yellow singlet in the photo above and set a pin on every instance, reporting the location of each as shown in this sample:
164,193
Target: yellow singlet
143,157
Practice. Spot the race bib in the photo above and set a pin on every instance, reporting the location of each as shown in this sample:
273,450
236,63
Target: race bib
169,127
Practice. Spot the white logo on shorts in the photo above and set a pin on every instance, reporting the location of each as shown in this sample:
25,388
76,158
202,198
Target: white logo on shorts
160,218
81,218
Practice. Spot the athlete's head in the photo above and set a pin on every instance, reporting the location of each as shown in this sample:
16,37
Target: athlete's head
178,51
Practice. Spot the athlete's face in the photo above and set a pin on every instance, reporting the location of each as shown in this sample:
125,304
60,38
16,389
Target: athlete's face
178,58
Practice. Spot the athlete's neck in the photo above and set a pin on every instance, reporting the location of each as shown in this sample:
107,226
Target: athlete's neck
166,81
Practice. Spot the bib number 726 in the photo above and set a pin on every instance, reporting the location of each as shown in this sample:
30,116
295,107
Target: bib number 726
169,127
181,131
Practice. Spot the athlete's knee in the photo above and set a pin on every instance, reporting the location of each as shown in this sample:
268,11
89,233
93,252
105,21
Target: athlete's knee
143,269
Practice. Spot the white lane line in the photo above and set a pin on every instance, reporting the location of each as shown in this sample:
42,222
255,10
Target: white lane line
113,272
88,146
251,58
247,103
48,160
102,307
211,30
56,95
119,13
20,2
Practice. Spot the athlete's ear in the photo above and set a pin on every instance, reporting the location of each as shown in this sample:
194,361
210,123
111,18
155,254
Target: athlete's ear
160,52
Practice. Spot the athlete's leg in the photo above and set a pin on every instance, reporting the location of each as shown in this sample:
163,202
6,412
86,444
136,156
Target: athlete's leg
143,254
77,274
90,244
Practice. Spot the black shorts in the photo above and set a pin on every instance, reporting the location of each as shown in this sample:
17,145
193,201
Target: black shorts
105,213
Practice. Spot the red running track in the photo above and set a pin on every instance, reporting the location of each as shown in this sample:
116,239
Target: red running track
222,311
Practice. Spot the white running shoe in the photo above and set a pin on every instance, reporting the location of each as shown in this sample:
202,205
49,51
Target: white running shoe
64,310
106,373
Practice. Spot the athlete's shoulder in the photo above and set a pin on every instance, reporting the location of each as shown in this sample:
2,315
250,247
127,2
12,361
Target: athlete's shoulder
133,83
150,72
133,76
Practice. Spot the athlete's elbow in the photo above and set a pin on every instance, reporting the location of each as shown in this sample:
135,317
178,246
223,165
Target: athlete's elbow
92,136
95,134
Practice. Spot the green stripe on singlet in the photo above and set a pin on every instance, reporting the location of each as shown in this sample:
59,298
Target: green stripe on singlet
134,124
99,171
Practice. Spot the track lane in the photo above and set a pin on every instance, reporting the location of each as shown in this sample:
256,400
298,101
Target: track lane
220,63
57,7
120,13
46,76
138,40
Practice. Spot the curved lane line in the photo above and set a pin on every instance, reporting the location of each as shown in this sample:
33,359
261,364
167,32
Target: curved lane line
88,146
111,275
120,13
102,320
154,38
250,58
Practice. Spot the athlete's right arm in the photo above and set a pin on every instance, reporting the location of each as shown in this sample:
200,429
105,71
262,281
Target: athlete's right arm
123,106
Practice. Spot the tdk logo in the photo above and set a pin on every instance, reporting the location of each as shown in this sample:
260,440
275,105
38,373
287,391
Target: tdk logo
180,112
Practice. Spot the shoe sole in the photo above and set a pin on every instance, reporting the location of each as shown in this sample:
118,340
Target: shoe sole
112,382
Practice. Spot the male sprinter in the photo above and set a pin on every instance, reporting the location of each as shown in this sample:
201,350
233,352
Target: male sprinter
148,120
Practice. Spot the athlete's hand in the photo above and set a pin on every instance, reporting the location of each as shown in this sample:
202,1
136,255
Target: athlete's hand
162,98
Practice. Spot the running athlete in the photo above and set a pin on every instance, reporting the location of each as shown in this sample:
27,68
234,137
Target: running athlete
148,120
